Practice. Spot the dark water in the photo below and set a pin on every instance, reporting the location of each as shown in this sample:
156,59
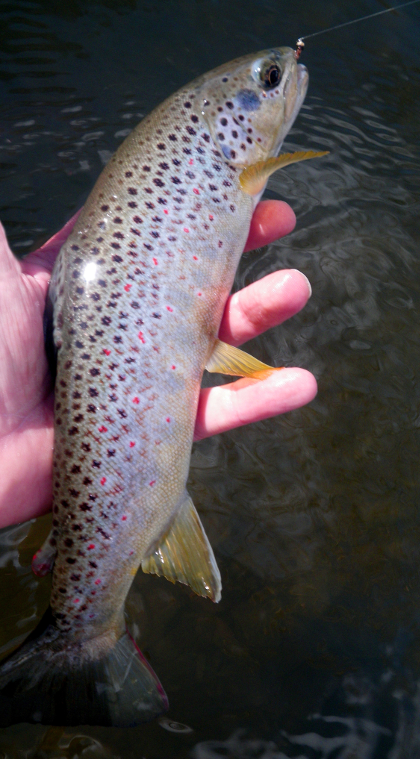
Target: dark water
314,651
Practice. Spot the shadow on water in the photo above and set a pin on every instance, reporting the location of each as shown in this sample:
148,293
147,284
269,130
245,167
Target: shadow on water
313,652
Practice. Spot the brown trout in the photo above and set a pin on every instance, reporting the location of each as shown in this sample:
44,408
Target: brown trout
138,292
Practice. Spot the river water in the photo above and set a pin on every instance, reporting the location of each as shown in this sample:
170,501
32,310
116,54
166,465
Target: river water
314,650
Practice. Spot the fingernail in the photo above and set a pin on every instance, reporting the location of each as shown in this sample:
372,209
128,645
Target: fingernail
307,280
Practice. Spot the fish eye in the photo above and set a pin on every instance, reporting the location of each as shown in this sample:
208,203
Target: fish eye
268,73
270,76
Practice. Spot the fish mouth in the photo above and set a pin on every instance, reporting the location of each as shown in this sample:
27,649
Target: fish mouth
302,82
303,79
294,93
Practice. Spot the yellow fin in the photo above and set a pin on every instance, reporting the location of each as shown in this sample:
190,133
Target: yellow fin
226,359
253,178
185,555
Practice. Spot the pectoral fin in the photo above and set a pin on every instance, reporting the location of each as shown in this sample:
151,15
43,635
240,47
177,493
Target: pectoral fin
253,178
185,555
43,561
226,359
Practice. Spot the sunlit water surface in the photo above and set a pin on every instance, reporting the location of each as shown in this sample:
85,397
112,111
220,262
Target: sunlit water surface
314,651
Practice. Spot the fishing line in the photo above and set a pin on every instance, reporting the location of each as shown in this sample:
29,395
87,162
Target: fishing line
300,43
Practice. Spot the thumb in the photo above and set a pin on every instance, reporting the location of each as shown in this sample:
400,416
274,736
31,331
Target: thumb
9,264
41,261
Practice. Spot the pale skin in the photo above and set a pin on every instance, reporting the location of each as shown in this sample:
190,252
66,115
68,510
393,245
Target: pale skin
26,395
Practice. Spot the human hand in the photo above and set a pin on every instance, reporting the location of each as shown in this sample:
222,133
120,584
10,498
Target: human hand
26,394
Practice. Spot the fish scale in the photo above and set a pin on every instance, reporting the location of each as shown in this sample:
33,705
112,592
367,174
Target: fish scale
138,292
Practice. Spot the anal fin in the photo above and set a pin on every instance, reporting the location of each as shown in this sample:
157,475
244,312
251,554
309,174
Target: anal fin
226,359
185,555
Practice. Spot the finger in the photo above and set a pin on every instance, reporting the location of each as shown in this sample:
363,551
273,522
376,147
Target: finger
40,263
264,304
229,406
272,219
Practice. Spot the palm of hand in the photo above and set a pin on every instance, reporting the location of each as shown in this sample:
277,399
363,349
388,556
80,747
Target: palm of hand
26,396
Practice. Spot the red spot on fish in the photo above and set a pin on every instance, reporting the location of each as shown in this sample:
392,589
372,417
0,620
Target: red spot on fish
155,261
91,546
103,480
131,553
76,600
168,308
132,443
151,483
123,518
191,161
173,366
165,210
186,230
93,592
103,429
199,294
98,581
141,337
197,192
210,217
168,418
195,258
136,400
91,616
107,352
127,288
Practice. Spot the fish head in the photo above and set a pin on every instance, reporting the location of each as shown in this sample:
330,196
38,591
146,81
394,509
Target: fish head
250,104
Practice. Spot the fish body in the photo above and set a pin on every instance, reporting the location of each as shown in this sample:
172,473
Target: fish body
138,292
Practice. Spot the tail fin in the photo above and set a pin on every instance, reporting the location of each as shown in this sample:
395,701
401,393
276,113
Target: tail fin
50,680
